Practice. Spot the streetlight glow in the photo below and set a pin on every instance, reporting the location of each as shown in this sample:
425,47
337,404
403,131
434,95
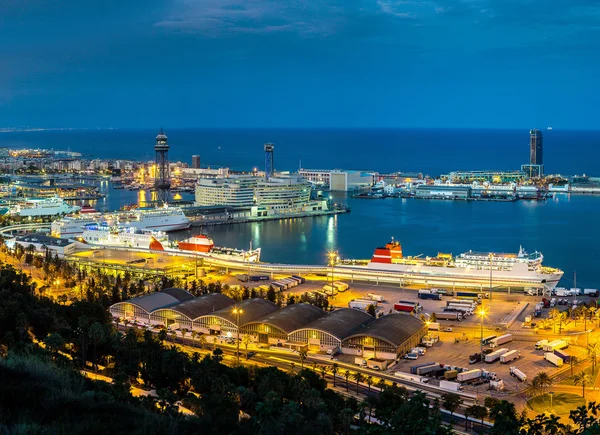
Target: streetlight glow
237,311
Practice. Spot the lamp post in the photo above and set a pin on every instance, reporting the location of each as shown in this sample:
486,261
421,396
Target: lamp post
491,257
332,256
551,396
481,313
237,311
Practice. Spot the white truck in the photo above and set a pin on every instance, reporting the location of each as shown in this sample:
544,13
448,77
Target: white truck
540,344
554,359
433,326
590,292
562,292
341,286
462,308
377,298
494,356
468,375
173,326
503,339
412,378
359,361
518,374
361,304
554,345
509,356
450,386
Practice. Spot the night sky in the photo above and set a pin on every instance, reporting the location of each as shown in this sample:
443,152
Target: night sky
294,63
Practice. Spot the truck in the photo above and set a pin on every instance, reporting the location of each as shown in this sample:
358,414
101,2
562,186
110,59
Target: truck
413,369
173,326
428,294
449,316
450,386
375,297
469,375
509,356
495,356
556,344
330,290
517,374
302,279
562,292
566,356
486,340
506,338
497,384
537,312
360,361
450,374
342,286
412,355
540,344
443,291
411,378
361,304
407,307
462,302
554,359
590,292
258,277
464,309
430,368
433,326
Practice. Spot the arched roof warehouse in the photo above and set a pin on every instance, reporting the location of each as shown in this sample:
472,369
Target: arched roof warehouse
339,323
292,317
394,329
193,308
252,309
153,301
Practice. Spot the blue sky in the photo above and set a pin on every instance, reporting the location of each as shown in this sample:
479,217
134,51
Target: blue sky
294,63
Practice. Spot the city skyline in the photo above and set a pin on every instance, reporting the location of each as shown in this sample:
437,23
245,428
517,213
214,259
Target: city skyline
319,64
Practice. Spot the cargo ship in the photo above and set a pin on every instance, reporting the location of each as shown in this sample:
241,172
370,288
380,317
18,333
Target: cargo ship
468,269
107,235
159,219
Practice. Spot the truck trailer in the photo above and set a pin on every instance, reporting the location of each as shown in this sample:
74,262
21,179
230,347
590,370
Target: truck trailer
518,374
503,339
561,353
449,316
428,294
469,375
411,378
556,344
361,304
554,359
450,386
406,307
509,356
495,356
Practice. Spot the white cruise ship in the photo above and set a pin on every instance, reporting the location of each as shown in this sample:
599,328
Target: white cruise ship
131,237
159,219
470,269
43,207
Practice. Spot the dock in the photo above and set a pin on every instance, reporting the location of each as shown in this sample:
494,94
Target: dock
200,221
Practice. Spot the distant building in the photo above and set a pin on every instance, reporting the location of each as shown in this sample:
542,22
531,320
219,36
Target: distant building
196,173
41,243
269,162
489,176
536,147
339,180
196,161
443,191
233,191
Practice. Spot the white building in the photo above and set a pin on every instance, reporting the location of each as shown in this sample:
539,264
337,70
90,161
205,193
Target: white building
233,191
41,242
339,180
198,173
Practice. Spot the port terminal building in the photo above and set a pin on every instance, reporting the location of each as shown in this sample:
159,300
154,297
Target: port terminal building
339,180
497,177
42,242
297,326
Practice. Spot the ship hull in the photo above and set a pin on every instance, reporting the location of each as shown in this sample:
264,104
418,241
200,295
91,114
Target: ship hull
194,247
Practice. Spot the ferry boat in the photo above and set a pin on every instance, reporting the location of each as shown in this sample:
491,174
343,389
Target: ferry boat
159,219
202,243
53,206
108,235
468,269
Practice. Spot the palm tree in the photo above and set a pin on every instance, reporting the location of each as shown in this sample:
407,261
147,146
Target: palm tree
347,375
554,314
184,332
451,402
573,362
585,311
479,412
369,381
334,371
293,367
302,354
358,377
593,350
96,334
583,379
202,340
381,384
194,336
323,370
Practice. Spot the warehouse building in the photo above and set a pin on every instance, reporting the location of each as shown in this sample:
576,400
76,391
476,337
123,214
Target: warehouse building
139,308
275,327
386,338
185,313
329,331
225,320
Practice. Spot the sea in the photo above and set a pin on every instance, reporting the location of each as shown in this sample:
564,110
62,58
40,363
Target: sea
564,228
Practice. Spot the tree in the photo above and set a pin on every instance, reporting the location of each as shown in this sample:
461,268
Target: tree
381,384
55,342
302,354
246,340
96,335
593,350
542,381
451,402
369,381
583,379
334,371
202,341
479,412
347,375
506,421
195,335
323,370
573,362
358,377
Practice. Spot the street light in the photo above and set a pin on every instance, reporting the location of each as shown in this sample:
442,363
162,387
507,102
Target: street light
332,257
551,396
237,311
491,257
481,314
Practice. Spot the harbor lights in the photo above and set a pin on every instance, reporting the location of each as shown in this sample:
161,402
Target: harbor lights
481,313
237,311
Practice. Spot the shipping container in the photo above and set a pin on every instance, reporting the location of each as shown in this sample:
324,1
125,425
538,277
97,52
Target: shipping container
509,356
462,302
259,277
450,386
448,316
428,369
495,356
450,374
413,369
503,339
556,344
407,308
566,356
554,359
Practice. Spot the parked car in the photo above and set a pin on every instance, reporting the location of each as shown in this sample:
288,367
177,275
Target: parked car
448,329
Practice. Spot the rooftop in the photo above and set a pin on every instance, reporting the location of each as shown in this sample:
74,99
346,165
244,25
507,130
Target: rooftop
202,305
292,317
43,239
162,299
393,328
252,309
341,323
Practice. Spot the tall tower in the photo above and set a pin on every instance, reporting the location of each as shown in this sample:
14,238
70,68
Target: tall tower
162,180
536,147
269,150
196,161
